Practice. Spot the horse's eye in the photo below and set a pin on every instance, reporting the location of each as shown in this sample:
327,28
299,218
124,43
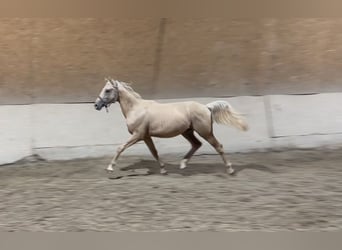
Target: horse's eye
107,90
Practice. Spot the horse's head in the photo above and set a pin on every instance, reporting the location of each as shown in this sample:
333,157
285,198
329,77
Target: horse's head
108,95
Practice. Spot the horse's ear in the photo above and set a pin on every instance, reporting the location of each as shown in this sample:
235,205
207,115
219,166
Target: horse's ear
113,82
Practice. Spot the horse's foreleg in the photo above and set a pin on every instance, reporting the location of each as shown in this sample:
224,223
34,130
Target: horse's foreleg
195,145
154,152
134,139
219,148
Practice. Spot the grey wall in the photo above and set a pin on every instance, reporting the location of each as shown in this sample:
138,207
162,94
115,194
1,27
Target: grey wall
68,131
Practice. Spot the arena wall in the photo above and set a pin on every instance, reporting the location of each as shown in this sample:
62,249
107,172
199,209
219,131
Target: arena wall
68,131
284,74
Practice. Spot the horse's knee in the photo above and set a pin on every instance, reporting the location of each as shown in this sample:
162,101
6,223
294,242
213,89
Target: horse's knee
119,149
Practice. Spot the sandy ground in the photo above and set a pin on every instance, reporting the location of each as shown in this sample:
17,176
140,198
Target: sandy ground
292,190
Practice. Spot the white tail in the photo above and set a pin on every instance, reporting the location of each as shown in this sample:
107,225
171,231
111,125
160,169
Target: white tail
223,113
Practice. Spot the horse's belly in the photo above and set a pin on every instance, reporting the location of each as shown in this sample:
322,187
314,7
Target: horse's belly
168,134
167,129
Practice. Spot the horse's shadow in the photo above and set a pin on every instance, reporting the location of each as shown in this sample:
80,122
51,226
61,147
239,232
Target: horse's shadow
217,169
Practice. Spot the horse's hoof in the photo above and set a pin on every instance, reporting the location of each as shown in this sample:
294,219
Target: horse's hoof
110,169
163,171
183,164
231,171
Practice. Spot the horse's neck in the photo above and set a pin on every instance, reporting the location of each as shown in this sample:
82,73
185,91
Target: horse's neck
127,102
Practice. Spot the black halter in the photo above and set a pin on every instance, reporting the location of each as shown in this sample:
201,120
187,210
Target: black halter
114,99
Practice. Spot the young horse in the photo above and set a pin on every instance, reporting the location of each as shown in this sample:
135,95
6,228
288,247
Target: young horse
146,119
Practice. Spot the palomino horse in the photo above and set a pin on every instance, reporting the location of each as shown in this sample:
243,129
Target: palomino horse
146,119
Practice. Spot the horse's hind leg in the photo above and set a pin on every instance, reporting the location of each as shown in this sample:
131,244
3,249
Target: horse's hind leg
219,148
195,145
154,152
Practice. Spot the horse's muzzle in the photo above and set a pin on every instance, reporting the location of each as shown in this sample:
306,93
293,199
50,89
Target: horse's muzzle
98,106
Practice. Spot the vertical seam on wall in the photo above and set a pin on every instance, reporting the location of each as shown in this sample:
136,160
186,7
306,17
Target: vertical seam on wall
267,99
158,52
31,66
269,116
31,91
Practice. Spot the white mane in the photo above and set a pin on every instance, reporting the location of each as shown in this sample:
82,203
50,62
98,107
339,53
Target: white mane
128,88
